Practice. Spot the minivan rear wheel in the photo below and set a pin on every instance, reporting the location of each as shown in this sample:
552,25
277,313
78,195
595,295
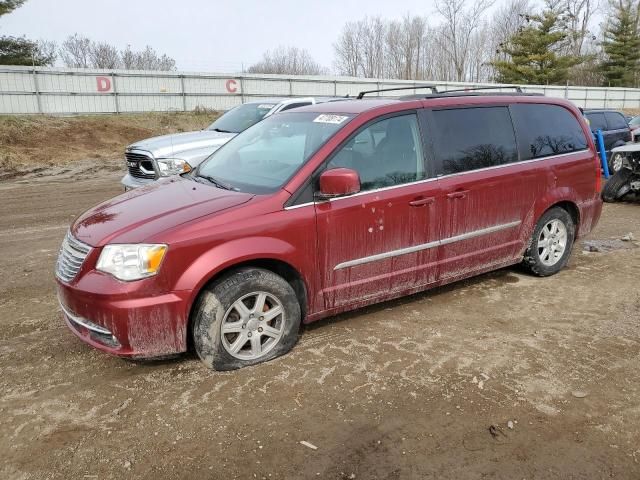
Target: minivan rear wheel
551,243
247,317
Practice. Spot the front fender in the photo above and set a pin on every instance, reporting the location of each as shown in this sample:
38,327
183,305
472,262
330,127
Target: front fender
228,254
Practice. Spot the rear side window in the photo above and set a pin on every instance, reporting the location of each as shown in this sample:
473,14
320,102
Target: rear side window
545,130
472,138
616,121
597,121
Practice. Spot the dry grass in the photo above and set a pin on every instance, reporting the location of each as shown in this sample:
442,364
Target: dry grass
27,141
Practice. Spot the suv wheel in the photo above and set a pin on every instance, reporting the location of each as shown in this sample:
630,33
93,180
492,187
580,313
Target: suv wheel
551,244
617,186
245,318
616,162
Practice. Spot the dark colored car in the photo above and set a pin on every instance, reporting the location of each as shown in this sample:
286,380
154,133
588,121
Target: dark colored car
615,131
325,209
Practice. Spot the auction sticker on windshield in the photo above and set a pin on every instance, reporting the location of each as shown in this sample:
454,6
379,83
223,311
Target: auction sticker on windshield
324,118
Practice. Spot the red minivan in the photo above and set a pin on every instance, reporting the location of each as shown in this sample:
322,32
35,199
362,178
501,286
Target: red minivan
324,209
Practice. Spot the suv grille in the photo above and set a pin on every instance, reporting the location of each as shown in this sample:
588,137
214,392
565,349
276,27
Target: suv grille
70,259
140,165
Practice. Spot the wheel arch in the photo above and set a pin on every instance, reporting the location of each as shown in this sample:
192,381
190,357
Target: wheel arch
571,208
278,266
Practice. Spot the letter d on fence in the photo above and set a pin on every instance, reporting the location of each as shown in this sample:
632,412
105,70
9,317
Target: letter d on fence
104,84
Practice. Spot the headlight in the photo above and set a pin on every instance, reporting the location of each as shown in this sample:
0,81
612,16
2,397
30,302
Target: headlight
172,166
131,262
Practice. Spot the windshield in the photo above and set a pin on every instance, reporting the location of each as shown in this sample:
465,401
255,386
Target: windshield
242,117
262,158
635,121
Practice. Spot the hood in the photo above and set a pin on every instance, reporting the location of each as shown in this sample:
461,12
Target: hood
141,213
629,147
178,144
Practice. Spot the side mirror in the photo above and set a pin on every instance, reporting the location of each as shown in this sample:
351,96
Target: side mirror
338,182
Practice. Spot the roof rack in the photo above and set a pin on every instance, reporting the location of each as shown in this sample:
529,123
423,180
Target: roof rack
472,89
415,87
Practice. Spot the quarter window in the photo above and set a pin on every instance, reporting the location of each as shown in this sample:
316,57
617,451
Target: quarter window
472,138
616,121
545,130
385,153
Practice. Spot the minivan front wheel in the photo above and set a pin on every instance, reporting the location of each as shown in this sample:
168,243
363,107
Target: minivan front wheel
247,317
551,243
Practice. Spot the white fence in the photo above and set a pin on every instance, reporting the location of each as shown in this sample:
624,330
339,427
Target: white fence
25,90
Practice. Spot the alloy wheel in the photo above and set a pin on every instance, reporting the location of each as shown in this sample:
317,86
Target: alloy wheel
552,242
253,325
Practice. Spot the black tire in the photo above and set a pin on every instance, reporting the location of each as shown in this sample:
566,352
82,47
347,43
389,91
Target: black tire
532,260
217,299
617,186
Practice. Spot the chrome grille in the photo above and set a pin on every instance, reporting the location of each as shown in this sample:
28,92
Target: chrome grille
140,165
70,259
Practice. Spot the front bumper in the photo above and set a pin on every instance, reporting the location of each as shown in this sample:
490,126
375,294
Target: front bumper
128,322
129,182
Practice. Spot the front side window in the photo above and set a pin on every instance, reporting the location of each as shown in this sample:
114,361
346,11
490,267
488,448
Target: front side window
597,121
467,139
545,130
262,158
240,118
385,153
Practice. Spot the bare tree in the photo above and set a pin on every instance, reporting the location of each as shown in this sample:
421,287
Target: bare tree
78,51
347,50
49,50
371,33
287,60
147,59
506,22
461,21
579,14
103,55
75,51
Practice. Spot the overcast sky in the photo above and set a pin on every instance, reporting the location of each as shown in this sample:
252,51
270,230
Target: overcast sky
204,35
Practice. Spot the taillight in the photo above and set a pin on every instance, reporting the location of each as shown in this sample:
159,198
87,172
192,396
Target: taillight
598,175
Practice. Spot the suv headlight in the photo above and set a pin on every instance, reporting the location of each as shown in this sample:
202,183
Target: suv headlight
172,166
131,262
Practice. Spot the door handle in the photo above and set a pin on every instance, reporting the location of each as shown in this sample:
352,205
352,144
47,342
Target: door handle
419,202
457,194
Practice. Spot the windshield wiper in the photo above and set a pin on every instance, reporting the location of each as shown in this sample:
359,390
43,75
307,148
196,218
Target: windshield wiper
221,130
216,182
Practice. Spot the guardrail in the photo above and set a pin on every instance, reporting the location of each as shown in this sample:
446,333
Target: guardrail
25,90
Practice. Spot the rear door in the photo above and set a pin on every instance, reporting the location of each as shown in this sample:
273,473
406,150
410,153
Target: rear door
485,195
383,239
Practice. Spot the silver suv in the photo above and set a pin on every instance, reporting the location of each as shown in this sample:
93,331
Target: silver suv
151,159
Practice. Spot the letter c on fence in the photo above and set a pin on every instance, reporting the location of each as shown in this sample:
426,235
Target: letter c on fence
104,84
231,86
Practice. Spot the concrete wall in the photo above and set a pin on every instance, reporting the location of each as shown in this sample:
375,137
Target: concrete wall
75,91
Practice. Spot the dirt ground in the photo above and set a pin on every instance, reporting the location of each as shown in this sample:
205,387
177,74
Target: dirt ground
28,143
424,387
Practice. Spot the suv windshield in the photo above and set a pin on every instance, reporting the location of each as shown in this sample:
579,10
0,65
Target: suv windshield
635,121
262,158
242,117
